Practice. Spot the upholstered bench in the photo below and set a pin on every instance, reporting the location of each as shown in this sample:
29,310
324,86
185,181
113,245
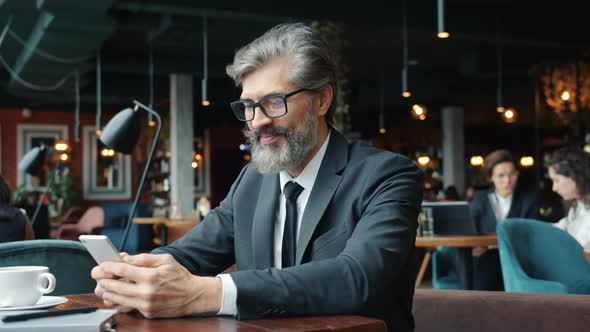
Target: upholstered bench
458,310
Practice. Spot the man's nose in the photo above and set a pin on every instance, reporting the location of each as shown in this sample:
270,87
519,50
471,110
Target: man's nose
260,119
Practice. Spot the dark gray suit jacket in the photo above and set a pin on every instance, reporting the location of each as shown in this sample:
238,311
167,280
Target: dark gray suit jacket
355,248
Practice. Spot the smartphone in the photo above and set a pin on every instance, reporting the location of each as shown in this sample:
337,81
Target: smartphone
100,248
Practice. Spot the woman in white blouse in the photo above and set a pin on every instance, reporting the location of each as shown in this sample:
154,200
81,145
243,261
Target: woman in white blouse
569,169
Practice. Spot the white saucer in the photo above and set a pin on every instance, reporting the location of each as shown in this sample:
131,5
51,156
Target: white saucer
44,302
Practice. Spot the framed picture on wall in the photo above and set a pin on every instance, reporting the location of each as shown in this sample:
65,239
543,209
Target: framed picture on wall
33,135
107,174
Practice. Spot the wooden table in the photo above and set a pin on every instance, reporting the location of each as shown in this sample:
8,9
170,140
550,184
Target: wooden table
136,323
165,223
464,242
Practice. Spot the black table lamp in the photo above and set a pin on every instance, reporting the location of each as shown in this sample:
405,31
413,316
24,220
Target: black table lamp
121,134
32,163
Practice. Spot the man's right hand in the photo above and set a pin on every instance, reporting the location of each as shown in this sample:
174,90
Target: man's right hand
98,274
478,251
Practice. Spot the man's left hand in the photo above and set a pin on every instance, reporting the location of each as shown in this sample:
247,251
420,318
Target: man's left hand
158,286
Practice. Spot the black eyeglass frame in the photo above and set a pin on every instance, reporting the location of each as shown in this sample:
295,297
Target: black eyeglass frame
258,104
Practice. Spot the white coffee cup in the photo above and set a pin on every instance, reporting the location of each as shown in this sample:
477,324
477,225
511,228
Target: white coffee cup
22,286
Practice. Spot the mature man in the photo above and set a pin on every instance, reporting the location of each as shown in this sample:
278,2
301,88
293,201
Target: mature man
314,225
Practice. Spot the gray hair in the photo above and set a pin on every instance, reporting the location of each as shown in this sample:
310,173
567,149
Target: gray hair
312,66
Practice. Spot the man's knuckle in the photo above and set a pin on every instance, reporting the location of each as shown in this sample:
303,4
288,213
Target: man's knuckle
152,276
147,306
147,293
148,314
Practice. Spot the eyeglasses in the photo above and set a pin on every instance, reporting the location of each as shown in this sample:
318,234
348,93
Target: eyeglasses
506,175
273,106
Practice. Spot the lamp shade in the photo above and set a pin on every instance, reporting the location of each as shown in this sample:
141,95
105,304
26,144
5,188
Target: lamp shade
33,161
122,132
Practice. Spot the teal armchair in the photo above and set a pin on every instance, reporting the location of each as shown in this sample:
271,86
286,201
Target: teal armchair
444,275
537,257
68,261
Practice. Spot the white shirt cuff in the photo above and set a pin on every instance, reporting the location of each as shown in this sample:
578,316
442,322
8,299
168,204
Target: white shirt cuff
229,296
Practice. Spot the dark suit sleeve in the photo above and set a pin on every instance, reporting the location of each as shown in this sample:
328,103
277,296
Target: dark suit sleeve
373,256
208,249
476,207
533,207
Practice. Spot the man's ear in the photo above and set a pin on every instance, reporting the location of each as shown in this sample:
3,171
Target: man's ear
325,99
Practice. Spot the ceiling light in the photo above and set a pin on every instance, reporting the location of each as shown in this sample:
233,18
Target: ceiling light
405,91
204,96
509,116
527,161
499,98
423,160
419,111
476,161
440,5
565,96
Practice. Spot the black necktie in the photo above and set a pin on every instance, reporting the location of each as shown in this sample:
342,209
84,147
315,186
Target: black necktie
291,192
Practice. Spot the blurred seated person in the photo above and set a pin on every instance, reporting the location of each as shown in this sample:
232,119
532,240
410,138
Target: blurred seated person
451,194
41,227
469,192
14,224
569,169
429,193
491,206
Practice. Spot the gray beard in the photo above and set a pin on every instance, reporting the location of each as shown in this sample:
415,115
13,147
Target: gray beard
272,159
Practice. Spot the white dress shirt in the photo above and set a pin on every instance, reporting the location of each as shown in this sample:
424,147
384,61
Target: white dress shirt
577,223
306,179
500,205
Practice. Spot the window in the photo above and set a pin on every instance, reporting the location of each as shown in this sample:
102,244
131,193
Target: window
107,174
202,160
30,136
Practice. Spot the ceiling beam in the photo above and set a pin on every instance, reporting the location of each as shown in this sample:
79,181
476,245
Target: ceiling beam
199,12
165,23
43,21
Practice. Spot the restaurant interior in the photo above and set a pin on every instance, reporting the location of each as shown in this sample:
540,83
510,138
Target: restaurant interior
115,120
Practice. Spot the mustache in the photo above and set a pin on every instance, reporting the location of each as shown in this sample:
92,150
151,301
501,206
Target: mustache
254,135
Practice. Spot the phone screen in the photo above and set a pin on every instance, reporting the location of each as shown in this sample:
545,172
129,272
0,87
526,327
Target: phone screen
100,248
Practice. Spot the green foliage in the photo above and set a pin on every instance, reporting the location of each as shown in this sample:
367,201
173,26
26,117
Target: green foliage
333,33
19,194
67,190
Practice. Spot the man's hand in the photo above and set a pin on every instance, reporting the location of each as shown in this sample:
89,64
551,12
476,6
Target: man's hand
478,251
98,274
157,286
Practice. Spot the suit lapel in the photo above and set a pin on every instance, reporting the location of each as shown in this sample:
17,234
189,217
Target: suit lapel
326,183
515,206
264,219
490,210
